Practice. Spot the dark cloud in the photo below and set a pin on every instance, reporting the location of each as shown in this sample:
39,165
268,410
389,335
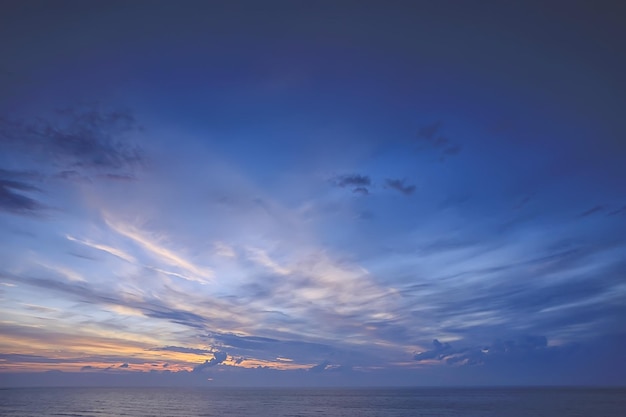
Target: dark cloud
428,132
17,357
124,365
359,183
218,357
523,294
118,177
184,350
85,138
87,368
478,355
244,342
86,293
13,187
429,137
617,212
451,150
592,210
522,203
439,351
186,318
353,181
78,142
269,348
399,185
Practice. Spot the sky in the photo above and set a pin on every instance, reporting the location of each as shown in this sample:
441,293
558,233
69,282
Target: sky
329,193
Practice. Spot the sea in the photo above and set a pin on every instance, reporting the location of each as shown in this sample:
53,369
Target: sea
301,402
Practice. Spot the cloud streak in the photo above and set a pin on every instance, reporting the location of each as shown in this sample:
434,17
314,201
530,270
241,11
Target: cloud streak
13,189
151,244
82,138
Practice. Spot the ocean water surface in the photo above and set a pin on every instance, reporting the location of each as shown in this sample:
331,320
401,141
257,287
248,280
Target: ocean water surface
301,402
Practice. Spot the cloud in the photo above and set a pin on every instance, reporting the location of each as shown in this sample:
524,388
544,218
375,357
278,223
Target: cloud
260,257
399,185
618,211
85,292
124,365
592,210
320,367
181,349
87,368
354,180
439,351
104,248
118,177
430,137
218,357
186,318
151,245
526,346
12,189
85,138
359,183
244,342
429,131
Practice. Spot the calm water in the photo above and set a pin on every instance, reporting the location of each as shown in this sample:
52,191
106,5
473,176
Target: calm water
236,402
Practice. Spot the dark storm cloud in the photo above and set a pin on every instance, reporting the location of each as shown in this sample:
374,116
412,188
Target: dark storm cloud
181,349
13,186
218,357
400,186
82,138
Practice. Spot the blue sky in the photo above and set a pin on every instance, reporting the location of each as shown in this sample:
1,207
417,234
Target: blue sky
312,193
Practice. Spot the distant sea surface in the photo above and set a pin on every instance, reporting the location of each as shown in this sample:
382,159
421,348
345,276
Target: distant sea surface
301,402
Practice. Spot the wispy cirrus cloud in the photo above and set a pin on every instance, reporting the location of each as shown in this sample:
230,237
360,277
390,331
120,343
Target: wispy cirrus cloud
104,248
152,245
